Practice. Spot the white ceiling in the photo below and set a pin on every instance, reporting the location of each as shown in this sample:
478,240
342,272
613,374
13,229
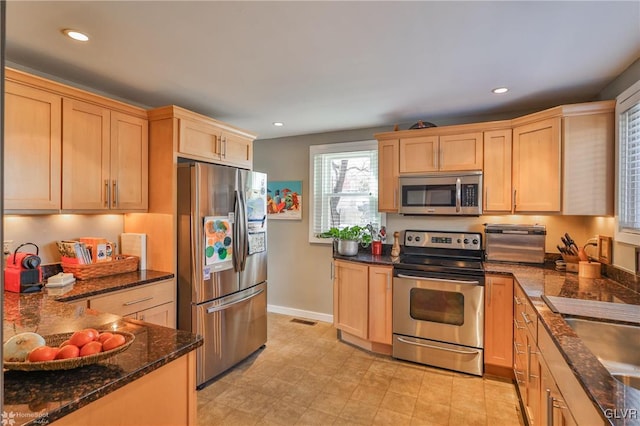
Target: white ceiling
325,66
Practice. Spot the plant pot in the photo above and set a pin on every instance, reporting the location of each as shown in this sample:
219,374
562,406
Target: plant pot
347,247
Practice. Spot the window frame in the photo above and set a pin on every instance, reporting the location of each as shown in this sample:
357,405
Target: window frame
624,101
333,148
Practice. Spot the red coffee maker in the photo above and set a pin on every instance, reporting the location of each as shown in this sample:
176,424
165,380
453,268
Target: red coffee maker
23,273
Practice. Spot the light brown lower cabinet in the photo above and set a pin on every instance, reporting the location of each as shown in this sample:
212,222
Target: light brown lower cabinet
166,396
362,297
551,394
498,325
153,303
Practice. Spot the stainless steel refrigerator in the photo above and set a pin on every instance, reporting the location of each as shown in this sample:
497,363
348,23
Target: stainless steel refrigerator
222,263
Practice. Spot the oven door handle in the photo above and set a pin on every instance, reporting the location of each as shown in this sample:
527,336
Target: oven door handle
437,347
411,277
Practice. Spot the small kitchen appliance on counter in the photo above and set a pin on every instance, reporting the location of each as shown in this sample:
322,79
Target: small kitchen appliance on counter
23,273
515,243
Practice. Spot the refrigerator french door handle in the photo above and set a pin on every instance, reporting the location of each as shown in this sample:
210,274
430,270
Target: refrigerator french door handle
196,232
244,228
237,232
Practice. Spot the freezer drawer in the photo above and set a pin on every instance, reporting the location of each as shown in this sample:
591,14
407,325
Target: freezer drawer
232,328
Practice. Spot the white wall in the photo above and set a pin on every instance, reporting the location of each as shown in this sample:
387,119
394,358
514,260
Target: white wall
45,230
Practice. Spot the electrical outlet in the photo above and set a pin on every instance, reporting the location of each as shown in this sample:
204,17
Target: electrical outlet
7,246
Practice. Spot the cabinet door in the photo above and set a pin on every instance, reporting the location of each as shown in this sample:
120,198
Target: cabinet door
498,322
380,294
461,152
553,408
200,140
32,131
351,298
536,166
588,185
419,154
237,150
388,165
497,171
129,162
85,162
164,315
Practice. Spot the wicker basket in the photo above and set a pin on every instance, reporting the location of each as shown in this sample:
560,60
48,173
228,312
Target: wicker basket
67,364
121,264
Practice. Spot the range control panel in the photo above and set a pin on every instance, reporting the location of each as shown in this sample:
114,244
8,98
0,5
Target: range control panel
443,239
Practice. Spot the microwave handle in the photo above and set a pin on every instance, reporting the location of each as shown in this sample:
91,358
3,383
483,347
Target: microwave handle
458,194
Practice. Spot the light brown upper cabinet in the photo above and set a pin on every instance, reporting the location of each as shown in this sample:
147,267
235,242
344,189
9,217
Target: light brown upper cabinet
71,150
589,164
536,166
32,148
563,160
388,175
497,171
430,153
105,160
205,139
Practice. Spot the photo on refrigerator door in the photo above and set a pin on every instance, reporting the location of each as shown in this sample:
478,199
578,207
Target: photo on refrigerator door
284,199
218,239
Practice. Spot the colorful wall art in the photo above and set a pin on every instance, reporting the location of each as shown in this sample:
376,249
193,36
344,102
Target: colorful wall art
284,199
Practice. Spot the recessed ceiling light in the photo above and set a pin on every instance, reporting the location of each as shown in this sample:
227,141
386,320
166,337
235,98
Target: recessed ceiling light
499,90
278,123
76,35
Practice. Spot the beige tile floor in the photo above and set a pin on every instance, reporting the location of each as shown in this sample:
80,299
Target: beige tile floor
306,376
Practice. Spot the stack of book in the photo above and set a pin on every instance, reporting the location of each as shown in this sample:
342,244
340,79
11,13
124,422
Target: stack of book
74,252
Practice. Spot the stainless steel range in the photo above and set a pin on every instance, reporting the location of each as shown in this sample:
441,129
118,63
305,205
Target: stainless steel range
438,301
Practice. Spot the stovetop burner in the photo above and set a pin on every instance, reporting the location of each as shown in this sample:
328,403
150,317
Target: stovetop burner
442,263
442,252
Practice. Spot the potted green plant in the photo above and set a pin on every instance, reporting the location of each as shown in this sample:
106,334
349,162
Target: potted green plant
348,238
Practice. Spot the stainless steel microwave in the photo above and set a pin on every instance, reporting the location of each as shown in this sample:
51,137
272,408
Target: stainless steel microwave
454,194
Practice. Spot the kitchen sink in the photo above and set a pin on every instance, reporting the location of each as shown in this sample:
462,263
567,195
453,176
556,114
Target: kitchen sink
617,346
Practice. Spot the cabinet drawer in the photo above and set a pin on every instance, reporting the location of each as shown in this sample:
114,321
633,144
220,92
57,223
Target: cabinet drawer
525,314
134,300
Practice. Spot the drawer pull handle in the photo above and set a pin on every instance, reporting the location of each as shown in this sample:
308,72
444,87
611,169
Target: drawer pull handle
517,300
133,302
517,324
526,318
515,348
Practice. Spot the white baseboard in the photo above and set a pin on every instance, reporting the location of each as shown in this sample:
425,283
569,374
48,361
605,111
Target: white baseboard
318,316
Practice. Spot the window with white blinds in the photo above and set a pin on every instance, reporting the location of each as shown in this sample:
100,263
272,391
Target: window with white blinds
344,185
628,214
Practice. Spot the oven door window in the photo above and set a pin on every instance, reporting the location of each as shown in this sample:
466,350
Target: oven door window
429,195
443,307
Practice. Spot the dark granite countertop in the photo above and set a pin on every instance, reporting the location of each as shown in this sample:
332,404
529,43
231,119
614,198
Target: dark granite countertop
611,397
42,397
86,288
602,299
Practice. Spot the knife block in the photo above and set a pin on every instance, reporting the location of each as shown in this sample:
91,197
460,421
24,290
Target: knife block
572,262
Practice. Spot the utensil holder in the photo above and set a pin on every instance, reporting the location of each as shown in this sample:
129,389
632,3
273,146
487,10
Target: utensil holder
588,269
